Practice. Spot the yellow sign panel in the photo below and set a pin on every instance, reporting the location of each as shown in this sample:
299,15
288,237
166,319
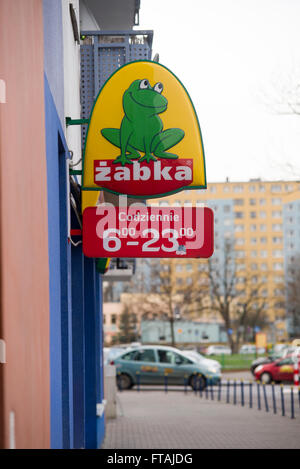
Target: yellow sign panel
260,340
143,138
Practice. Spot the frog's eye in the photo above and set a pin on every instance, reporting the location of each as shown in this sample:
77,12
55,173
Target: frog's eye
144,85
158,87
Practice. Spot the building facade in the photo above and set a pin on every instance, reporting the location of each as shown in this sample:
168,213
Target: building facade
51,386
261,218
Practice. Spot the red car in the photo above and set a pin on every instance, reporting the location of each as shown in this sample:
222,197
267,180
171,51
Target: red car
280,370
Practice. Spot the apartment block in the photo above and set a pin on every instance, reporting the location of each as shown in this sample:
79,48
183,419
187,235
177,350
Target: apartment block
262,219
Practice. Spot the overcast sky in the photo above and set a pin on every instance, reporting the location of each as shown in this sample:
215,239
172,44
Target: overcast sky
234,56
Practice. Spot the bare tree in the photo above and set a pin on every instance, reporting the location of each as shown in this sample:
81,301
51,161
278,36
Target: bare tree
238,299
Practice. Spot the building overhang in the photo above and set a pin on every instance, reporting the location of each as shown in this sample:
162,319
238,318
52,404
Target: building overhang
112,14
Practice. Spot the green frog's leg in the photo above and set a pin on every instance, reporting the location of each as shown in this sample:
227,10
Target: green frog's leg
113,136
148,157
165,140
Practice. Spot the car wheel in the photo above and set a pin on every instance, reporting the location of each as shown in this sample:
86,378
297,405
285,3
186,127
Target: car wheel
198,382
124,381
266,378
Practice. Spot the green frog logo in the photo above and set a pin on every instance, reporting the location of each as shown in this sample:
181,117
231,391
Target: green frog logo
141,127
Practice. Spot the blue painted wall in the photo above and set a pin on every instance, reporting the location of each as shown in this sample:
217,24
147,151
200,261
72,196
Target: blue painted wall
59,287
76,367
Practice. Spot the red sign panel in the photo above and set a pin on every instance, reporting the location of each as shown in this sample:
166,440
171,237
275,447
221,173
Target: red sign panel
140,231
144,179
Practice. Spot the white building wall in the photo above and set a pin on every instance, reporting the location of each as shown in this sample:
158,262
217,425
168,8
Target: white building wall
71,51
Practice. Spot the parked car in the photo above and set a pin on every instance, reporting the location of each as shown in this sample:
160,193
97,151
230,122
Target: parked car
218,350
150,364
251,350
110,353
277,371
282,352
214,365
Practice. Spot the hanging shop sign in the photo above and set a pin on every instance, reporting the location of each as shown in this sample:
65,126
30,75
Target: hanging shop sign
147,231
143,138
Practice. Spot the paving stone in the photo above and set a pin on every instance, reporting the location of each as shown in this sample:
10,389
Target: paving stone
157,420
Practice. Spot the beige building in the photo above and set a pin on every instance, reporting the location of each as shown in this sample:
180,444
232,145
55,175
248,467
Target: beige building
252,215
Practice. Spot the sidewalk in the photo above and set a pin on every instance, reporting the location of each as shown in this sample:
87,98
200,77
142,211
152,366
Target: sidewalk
174,420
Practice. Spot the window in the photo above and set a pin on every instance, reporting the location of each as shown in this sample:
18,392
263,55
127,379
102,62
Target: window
277,227
262,189
164,204
277,253
263,240
262,214
277,239
254,279
263,266
213,189
189,267
179,281
238,201
252,214
227,208
289,187
263,253
113,319
262,201
240,280
253,241
178,268
264,293
286,361
252,188
239,215
253,227
253,253
263,227
276,188
252,201
146,355
278,279
253,266
278,266
226,188
238,188
276,213
168,356
188,203
276,201
240,254
239,228
129,356
240,241
104,318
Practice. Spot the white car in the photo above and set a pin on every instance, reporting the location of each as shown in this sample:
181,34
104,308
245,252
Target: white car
251,350
212,365
218,350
